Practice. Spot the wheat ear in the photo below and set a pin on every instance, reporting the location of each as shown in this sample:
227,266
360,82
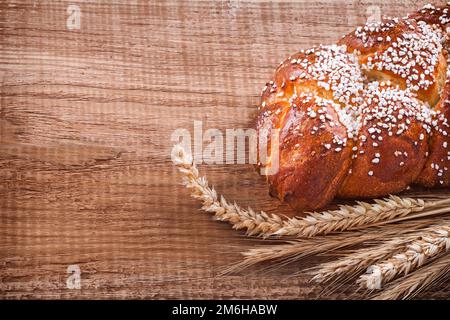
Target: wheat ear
346,268
255,223
409,286
387,210
417,253
357,261
346,217
293,250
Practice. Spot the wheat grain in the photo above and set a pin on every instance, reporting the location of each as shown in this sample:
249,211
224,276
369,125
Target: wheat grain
345,218
290,251
417,253
363,214
255,223
349,266
346,268
300,248
409,286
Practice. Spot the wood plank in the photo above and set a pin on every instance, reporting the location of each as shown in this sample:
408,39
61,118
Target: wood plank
86,118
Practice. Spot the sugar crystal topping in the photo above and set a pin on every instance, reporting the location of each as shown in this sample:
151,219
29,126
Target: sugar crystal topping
333,69
391,110
413,55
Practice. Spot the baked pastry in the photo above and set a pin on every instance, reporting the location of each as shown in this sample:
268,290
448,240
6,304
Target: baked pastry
365,117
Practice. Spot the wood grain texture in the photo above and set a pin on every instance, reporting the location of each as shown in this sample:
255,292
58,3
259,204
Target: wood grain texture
86,118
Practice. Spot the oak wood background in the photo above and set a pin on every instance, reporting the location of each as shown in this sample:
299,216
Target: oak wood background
86,117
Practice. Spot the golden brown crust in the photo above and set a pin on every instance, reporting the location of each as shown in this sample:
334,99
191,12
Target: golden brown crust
392,145
406,52
314,155
327,71
438,16
436,171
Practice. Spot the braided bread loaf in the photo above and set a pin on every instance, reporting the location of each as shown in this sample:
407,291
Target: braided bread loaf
363,118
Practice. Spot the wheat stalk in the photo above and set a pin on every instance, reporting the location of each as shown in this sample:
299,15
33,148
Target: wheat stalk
351,264
293,250
418,252
388,210
347,267
300,248
345,218
255,223
411,285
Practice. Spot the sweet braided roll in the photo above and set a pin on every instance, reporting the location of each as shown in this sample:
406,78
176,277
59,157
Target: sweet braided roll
365,117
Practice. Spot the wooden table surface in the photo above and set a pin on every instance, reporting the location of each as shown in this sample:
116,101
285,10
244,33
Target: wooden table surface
86,119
